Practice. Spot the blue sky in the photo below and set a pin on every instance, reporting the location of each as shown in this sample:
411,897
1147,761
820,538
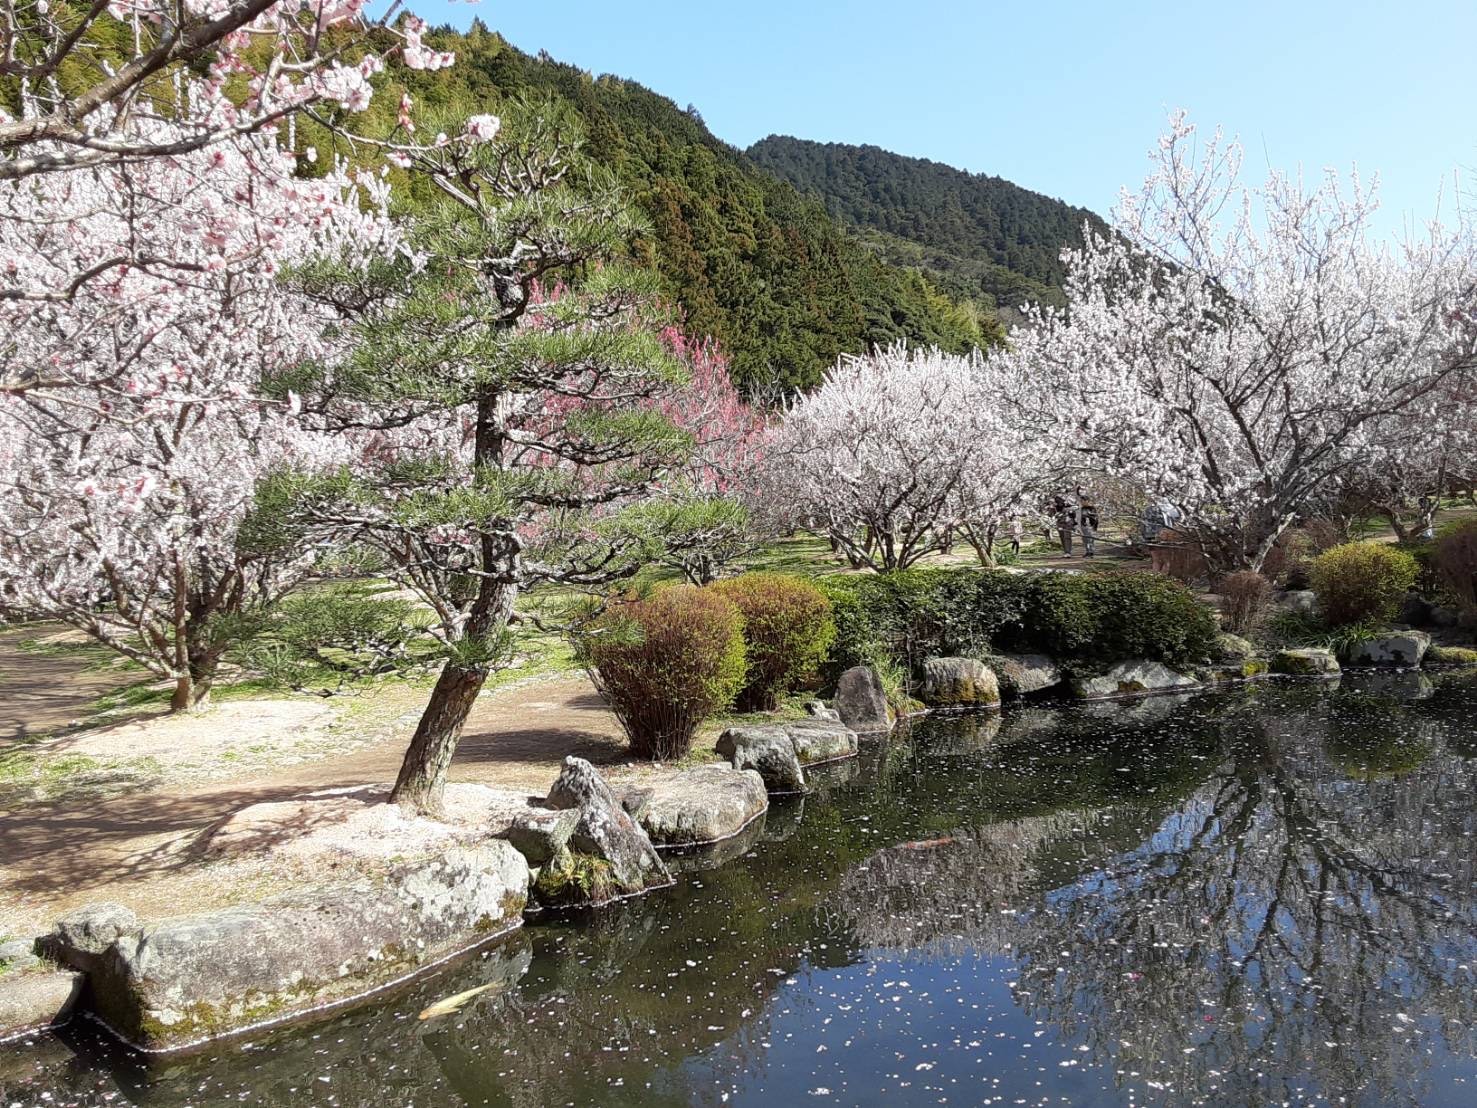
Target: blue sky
1064,98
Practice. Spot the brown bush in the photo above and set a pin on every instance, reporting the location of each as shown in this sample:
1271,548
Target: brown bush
1455,557
1175,554
1244,597
665,664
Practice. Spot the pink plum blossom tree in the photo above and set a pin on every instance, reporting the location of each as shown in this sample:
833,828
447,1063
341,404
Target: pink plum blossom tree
132,446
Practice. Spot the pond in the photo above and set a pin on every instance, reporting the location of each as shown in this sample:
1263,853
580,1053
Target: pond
1253,897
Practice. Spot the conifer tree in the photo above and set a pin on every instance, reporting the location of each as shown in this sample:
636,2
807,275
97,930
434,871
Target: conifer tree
505,395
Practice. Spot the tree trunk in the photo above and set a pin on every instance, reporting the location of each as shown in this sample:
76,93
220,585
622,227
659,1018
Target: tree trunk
421,783
192,690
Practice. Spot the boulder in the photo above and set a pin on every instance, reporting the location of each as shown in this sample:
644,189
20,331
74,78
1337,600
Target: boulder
860,700
704,805
1023,674
1305,662
182,981
1232,648
1130,679
80,938
768,751
1415,611
608,854
820,740
1398,648
1445,616
1303,601
958,682
1219,673
34,1001
19,955
819,711
540,833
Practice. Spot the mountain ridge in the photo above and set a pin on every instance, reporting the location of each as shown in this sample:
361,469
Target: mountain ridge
977,235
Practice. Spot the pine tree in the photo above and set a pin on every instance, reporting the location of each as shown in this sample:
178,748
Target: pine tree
505,390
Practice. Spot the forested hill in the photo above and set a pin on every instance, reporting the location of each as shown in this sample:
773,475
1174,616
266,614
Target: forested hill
749,260
978,236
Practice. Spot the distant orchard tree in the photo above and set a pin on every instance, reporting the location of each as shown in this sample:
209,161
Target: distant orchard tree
1241,350
900,447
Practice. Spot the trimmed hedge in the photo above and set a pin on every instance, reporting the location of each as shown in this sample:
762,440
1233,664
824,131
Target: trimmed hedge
665,664
1087,618
787,631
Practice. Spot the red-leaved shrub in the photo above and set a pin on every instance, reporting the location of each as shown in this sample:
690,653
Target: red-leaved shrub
1455,555
664,664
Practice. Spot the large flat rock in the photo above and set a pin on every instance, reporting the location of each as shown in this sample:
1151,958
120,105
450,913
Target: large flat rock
1132,679
177,982
1405,649
703,805
820,740
1305,662
36,1000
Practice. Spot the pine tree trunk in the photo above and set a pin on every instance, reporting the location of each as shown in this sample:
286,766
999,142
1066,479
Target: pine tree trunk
421,783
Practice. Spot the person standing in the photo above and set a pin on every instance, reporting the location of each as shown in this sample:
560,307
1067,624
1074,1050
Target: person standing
1017,529
1087,523
1066,522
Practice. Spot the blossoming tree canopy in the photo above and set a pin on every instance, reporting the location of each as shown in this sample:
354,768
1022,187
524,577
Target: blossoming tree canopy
504,400
132,453
84,74
898,447
1237,349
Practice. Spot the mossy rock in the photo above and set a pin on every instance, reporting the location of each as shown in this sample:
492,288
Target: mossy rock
574,879
1305,662
1232,648
1451,656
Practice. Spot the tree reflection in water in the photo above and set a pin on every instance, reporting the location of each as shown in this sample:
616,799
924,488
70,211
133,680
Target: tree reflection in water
1302,922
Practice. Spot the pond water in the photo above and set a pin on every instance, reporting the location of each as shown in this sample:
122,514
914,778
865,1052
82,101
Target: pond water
1263,896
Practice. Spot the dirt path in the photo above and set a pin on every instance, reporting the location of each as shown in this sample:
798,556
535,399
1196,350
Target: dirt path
56,855
42,690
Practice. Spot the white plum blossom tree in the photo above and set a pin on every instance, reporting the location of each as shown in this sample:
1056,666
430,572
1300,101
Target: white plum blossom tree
132,445
87,75
897,448
1239,350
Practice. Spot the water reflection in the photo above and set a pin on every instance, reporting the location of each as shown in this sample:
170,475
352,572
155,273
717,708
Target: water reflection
1262,896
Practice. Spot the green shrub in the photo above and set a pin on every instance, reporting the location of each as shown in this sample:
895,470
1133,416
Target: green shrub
1455,558
1362,582
664,664
788,630
1143,615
